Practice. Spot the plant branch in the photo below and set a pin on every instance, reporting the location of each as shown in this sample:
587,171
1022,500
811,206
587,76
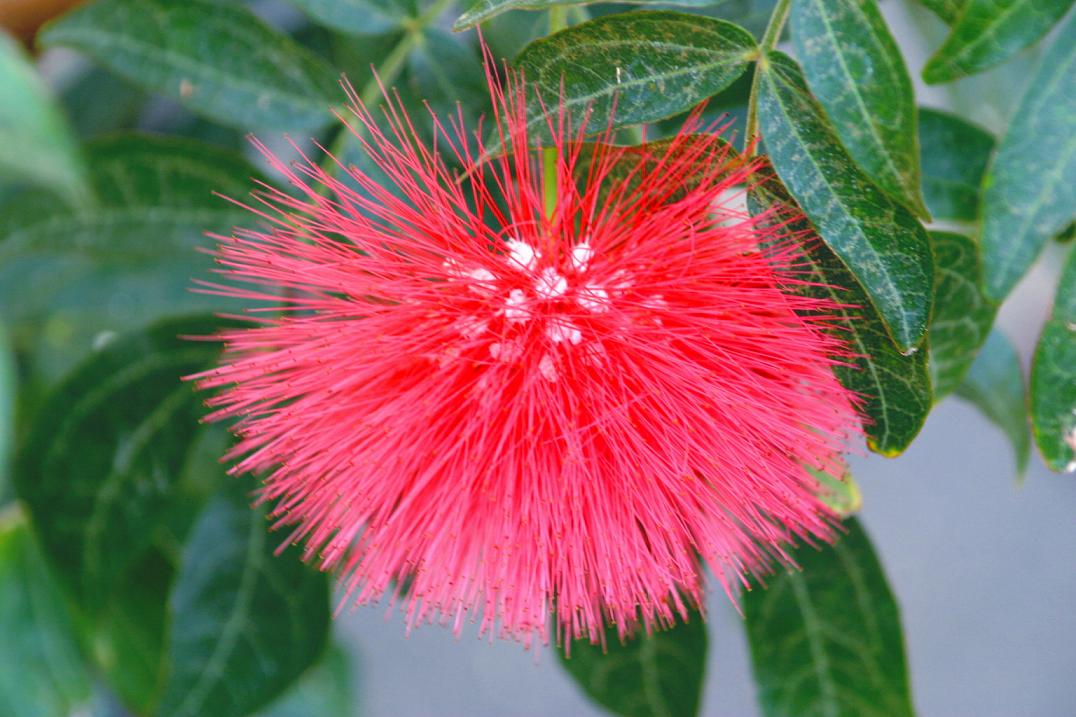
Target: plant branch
768,43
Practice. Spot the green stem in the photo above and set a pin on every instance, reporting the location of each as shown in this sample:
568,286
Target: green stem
388,71
558,20
768,43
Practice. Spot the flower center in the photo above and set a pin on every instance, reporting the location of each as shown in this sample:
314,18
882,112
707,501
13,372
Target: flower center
546,295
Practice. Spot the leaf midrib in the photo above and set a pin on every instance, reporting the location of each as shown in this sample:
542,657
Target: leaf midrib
148,52
233,626
872,128
863,240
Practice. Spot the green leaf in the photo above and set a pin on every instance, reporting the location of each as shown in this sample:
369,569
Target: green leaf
655,65
895,387
826,639
327,689
948,10
995,385
486,9
854,68
99,103
1053,378
728,106
42,673
988,32
218,59
358,17
882,244
655,675
245,623
156,200
962,313
66,276
128,637
443,71
104,451
953,154
841,493
1030,190
37,143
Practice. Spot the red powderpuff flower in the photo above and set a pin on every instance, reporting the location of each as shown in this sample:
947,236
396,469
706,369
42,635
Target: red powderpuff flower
523,412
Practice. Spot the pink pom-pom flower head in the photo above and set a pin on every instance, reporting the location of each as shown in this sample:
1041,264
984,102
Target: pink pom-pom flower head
539,413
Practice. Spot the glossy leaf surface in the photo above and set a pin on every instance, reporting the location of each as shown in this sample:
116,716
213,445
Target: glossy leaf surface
879,241
855,69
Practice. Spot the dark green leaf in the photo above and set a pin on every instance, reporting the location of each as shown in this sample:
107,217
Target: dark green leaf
655,65
36,143
245,623
995,385
948,10
99,103
358,17
156,200
443,71
103,452
826,639
486,9
988,32
953,155
128,636
216,58
728,106
854,68
656,675
1067,234
1053,378
326,689
962,313
128,260
882,244
1030,190
41,674
895,387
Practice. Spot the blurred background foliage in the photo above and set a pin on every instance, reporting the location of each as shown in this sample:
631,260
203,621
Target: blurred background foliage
135,578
